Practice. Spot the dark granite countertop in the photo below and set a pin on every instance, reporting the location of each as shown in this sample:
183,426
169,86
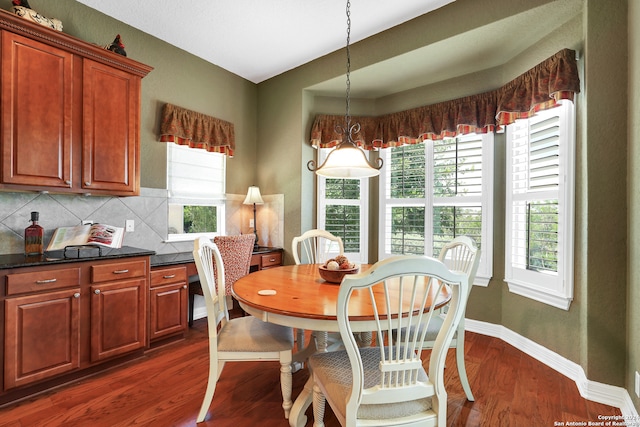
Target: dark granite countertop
187,257
72,255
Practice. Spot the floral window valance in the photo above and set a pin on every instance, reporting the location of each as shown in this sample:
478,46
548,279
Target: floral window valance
186,127
539,88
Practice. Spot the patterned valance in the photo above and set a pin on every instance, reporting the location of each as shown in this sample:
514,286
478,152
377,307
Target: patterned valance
186,127
539,88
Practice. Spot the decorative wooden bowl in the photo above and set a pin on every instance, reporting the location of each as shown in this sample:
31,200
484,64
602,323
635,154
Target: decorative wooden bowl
335,276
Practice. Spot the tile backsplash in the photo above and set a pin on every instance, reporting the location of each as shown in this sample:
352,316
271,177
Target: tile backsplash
149,212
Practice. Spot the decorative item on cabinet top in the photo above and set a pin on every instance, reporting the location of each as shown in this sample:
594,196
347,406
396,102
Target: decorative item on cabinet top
22,9
117,46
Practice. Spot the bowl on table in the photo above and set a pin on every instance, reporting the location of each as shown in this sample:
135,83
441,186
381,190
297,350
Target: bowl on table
336,276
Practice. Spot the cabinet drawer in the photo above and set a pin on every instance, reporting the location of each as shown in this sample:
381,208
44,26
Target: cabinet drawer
166,276
118,271
36,281
270,260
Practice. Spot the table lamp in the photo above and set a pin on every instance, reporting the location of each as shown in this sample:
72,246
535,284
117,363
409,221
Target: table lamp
254,198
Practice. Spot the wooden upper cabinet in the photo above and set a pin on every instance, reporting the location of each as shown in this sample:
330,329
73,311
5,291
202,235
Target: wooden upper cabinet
37,104
70,119
110,147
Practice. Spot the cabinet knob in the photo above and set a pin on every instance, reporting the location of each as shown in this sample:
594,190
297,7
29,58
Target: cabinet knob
68,182
76,295
97,292
184,286
87,183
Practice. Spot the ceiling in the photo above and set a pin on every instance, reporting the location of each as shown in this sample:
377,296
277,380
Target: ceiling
261,39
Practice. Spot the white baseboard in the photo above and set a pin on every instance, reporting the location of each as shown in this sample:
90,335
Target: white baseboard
590,390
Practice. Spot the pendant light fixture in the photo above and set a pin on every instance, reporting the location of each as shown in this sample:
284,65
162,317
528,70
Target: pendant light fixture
347,160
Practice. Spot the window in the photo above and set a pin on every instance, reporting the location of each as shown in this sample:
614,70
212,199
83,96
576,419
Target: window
196,184
434,191
540,206
342,211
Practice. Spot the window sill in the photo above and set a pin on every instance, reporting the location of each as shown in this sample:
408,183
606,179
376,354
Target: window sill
558,301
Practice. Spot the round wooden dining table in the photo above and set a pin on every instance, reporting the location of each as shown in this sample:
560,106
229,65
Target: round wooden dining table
296,296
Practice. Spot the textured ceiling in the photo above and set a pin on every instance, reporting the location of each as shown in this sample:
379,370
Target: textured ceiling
261,39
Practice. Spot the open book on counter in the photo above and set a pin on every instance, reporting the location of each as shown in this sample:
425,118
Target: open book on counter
93,234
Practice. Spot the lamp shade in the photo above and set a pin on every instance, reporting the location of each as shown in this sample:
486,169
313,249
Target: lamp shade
253,196
347,161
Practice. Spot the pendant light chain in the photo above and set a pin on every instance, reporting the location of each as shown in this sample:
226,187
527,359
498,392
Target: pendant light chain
349,129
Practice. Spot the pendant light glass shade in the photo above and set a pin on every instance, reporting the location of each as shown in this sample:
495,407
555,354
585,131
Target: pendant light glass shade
347,161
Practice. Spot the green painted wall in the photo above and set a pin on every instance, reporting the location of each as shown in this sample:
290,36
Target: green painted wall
633,220
600,331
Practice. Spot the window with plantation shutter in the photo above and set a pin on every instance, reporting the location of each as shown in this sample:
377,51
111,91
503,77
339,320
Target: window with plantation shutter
540,206
342,211
435,191
196,186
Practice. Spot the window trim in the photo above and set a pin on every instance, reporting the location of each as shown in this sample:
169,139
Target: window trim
560,295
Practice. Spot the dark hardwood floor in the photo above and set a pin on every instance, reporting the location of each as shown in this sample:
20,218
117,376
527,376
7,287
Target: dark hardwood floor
166,387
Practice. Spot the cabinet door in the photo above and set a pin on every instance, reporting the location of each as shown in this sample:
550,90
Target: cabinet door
168,310
42,334
111,114
36,113
118,314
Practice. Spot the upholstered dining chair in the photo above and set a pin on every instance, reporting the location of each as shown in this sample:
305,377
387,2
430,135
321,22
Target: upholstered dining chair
240,339
315,247
236,256
386,384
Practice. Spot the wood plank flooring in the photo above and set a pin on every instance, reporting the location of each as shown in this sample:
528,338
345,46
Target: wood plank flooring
166,387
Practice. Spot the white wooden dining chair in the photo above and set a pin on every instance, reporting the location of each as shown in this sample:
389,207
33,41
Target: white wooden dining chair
316,247
240,339
460,254
387,385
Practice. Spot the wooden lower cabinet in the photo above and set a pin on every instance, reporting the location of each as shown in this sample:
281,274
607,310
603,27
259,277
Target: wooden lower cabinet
42,336
64,320
168,302
118,318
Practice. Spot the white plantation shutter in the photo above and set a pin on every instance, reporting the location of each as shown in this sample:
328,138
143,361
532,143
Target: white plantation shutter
437,190
195,176
539,217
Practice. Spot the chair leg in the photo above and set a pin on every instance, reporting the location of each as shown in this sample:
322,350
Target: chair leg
191,301
319,403
322,339
300,341
214,372
462,371
286,382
